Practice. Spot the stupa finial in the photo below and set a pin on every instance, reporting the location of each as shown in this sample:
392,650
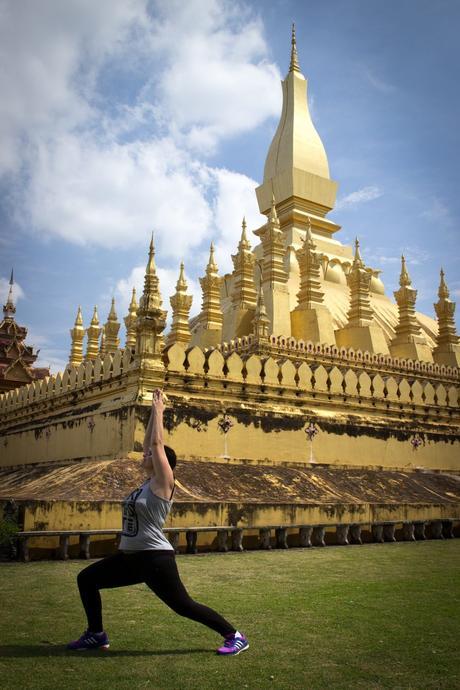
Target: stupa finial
404,278
358,260
294,64
443,291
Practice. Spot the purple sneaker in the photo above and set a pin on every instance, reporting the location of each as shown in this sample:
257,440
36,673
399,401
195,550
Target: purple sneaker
90,640
234,644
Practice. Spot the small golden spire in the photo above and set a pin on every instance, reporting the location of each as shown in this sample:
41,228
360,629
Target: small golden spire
310,293
130,321
210,317
404,278
93,333
447,350
111,328
294,65
79,318
180,303
95,319
77,334
443,291
243,290
151,262
273,216
133,304
244,242
212,266
358,261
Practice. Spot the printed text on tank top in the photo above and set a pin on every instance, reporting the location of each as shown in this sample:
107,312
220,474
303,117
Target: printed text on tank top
143,517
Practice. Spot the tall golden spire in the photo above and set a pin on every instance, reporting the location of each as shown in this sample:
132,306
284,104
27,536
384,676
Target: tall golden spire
296,167
8,308
93,333
77,334
310,292
274,274
361,332
273,270
151,298
111,328
447,350
359,281
243,290
208,331
408,341
130,321
151,320
180,303
294,64
311,319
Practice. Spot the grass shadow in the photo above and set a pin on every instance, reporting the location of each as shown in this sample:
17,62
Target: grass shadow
47,650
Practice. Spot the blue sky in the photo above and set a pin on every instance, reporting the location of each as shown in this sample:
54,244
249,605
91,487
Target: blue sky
119,118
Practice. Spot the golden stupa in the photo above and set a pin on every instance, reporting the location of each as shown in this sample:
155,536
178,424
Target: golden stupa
299,392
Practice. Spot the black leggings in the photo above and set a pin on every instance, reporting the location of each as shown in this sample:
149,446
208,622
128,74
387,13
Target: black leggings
158,570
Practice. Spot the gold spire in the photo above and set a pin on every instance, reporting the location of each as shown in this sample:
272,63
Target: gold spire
210,318
294,64
151,298
273,270
130,321
404,278
360,312
243,288
273,216
310,293
447,350
443,291
408,341
77,334
212,266
244,242
357,262
180,303
151,320
296,167
111,328
93,333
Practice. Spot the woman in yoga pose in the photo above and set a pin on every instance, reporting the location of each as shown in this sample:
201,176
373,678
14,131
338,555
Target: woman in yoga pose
145,555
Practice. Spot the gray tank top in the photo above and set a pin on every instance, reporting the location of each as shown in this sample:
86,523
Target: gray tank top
144,514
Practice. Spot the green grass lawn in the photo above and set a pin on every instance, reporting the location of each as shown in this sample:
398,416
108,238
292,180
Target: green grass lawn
374,616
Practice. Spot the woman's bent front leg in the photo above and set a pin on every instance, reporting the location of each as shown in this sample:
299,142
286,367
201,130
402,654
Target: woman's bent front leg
114,571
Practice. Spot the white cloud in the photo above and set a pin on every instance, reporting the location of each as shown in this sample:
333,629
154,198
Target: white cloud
235,198
377,82
359,197
48,356
438,211
18,292
109,175
116,195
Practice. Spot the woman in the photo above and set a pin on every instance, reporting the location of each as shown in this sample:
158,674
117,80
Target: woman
145,555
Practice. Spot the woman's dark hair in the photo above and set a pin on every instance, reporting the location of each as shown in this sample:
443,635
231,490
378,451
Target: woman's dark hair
172,458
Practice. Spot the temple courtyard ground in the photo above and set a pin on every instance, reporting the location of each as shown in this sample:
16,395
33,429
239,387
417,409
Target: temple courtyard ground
373,616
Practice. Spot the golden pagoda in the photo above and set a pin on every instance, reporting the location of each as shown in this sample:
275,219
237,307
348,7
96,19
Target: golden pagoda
299,342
